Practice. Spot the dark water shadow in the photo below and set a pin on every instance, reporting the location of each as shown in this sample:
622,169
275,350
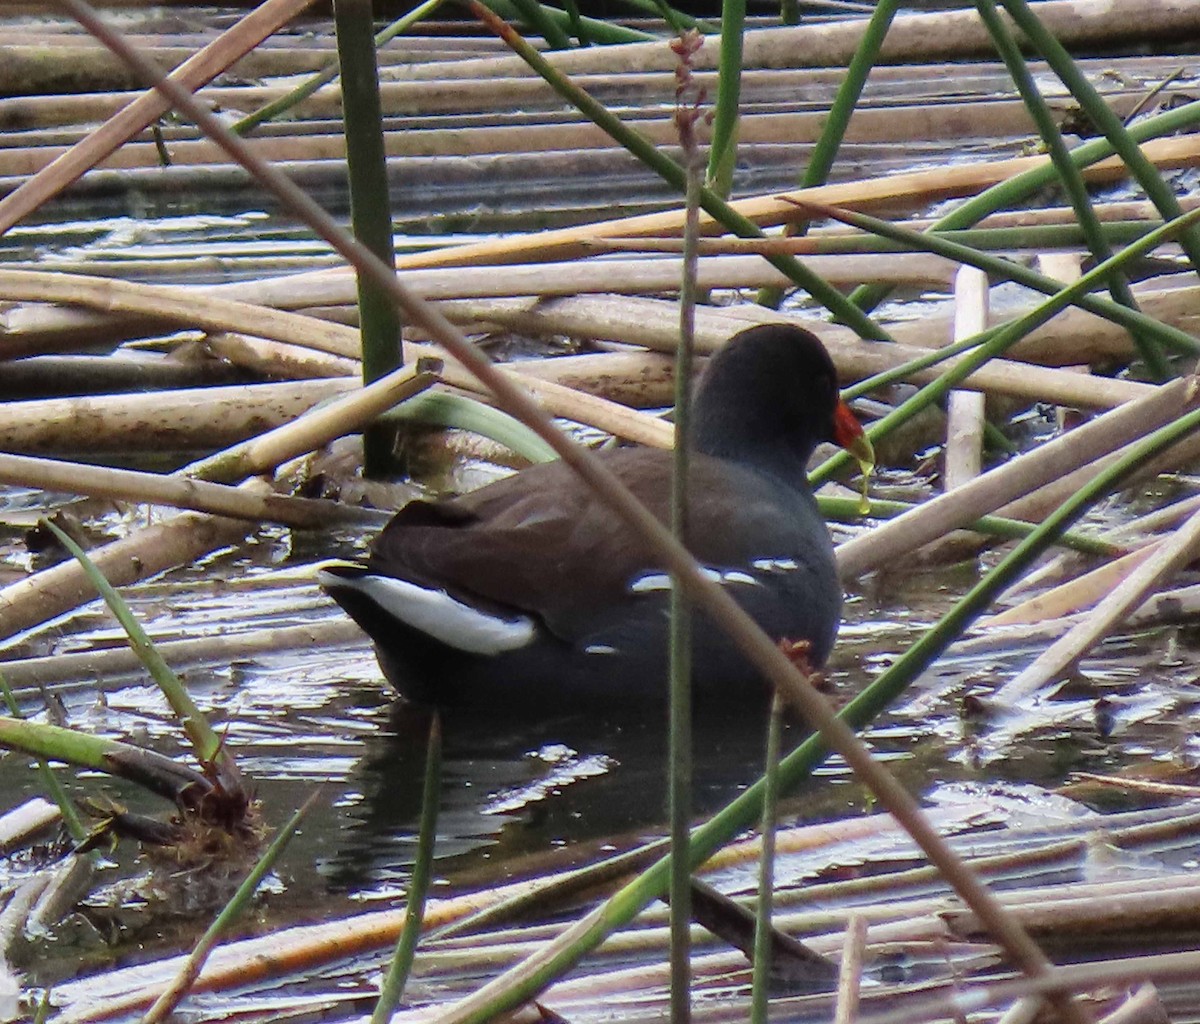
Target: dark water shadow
511,787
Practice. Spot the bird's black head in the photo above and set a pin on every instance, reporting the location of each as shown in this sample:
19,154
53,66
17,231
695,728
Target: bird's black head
768,397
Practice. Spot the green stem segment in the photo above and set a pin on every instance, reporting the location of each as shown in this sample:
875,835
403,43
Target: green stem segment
760,991
680,770
722,151
370,205
418,886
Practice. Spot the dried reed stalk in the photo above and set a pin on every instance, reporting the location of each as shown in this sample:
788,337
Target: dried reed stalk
965,409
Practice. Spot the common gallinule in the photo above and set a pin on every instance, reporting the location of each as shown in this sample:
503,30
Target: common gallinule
529,593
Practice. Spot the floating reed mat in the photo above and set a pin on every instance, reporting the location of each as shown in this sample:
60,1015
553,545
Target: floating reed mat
904,919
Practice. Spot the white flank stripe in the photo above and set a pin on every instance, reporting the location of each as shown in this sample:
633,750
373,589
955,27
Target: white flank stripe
649,583
442,617
733,576
775,564
652,582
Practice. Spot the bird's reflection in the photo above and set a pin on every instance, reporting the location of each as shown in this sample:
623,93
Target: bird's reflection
511,787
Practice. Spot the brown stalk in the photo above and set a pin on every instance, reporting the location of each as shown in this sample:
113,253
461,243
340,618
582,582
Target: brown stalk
169,304
111,662
653,323
707,595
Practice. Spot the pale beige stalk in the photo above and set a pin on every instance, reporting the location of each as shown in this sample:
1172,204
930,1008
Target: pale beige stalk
965,417
1165,560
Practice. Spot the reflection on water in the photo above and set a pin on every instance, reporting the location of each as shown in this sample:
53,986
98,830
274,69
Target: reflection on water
511,788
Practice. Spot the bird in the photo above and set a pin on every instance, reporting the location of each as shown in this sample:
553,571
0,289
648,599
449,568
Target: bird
529,595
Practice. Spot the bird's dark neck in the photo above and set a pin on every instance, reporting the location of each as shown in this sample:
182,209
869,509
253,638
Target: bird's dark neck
773,455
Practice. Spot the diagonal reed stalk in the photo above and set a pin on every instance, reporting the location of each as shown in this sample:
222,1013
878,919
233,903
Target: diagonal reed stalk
687,116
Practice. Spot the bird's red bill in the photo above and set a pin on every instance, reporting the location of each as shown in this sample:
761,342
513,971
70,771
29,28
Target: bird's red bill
848,432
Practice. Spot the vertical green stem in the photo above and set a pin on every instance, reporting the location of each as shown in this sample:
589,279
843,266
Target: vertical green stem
576,23
681,612
406,946
722,151
370,205
761,988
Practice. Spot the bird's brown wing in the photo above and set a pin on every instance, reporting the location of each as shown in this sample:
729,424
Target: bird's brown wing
527,543
540,542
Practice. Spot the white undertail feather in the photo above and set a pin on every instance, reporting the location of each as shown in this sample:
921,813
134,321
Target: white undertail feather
437,614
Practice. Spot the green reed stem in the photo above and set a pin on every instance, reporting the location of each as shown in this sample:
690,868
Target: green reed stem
370,206
680,638
392,989
722,149
760,991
